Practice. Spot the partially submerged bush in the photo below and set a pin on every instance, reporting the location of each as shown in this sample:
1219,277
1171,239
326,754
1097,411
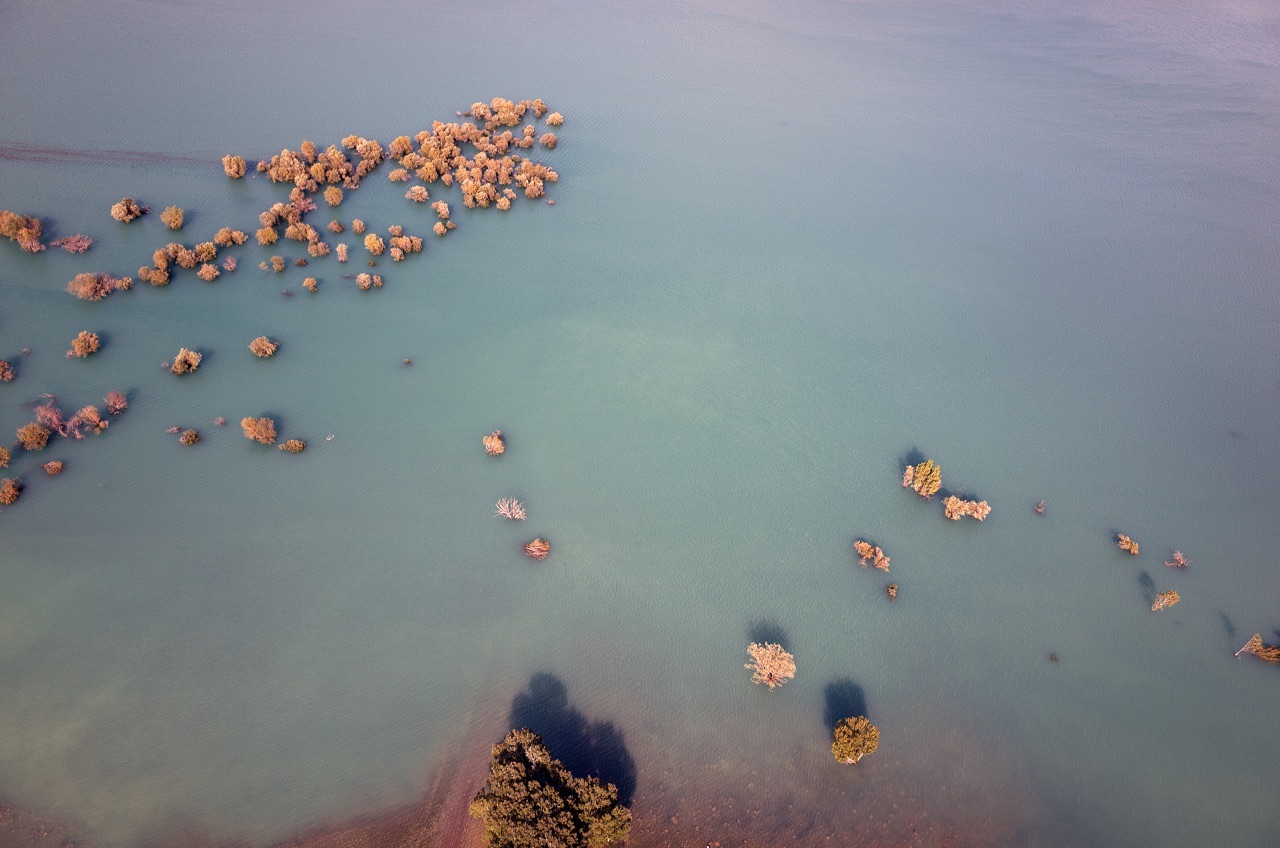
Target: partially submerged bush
1126,544
956,508
24,229
261,430
189,438
172,217
10,491
374,244
333,195
493,444
226,237
1164,600
267,236
555,119
263,346
855,737
6,371
870,553
53,468
126,210
208,272
84,344
293,446
186,362
537,549
33,436
116,402
418,194
77,243
364,282
310,284
770,664
97,286
5,456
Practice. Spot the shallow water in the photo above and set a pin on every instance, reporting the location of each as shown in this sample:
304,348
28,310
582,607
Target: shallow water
1035,242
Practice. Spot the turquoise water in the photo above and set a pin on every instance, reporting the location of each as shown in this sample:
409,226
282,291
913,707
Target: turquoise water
1035,242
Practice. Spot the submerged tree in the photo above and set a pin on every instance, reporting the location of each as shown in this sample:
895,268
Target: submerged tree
770,664
189,438
53,468
537,549
10,491
1164,600
172,217
126,210
925,478
531,800
84,344
26,230
260,430
186,362
493,444
115,402
1126,544
97,286
263,346
234,166
510,508
33,436
1266,653
1179,560
293,446
855,737
5,456
6,371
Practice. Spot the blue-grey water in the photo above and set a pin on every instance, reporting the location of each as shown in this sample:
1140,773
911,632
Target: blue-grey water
792,245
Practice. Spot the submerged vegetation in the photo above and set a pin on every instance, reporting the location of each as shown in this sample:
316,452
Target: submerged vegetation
127,210
263,347
493,444
510,508
293,446
870,553
10,491
1255,647
955,508
531,800
537,549
26,230
1126,544
83,345
770,664
1164,600
185,362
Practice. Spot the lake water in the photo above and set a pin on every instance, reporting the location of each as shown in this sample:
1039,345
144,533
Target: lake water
792,246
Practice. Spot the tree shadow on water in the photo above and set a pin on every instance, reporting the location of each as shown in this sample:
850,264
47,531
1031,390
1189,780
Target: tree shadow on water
1148,588
763,632
585,747
842,699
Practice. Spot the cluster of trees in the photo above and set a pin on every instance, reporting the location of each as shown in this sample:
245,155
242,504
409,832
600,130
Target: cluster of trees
96,286
293,446
925,478
531,800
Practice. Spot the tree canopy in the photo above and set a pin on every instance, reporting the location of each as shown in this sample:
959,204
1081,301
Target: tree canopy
854,739
531,800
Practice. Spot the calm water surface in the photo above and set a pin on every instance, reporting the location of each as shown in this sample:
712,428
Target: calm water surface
790,248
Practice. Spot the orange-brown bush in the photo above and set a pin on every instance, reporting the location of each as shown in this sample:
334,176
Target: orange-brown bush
293,446
439,228
368,281
417,194
868,552
263,346
24,229
555,119
277,264
33,436
10,491
208,272
234,166
186,362
333,195
538,549
6,371
310,284
226,237
956,508
126,210
116,402
357,226
341,251
493,444
1126,544
84,344
549,140
374,244
261,430
5,456
53,468
335,227
77,243
97,286
267,236
189,437
399,175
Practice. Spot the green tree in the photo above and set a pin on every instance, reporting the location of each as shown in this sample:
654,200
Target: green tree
854,739
531,800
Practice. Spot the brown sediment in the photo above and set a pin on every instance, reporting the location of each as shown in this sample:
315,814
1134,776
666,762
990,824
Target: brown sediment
21,828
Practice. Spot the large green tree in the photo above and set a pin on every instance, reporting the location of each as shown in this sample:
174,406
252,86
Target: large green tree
531,800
